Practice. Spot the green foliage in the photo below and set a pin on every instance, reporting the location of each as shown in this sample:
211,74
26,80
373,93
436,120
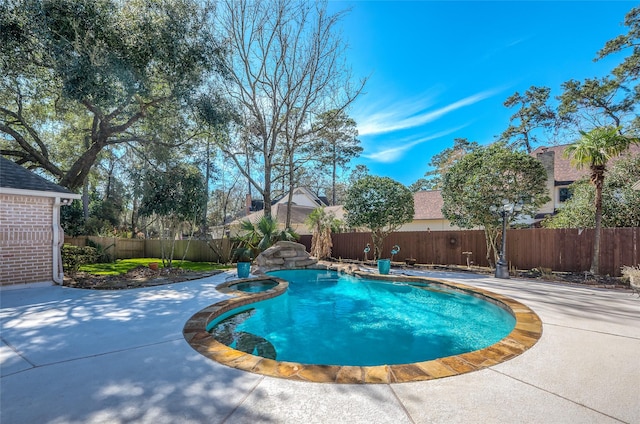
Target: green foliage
441,163
177,194
359,171
336,143
486,176
73,257
533,114
101,252
380,204
593,150
620,203
605,100
255,238
596,147
96,72
104,216
630,66
72,219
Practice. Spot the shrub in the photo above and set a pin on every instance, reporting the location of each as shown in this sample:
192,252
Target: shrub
73,257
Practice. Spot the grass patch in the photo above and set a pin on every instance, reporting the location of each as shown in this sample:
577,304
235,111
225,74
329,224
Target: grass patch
122,266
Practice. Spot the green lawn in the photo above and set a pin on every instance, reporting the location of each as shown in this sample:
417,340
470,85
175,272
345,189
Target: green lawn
122,266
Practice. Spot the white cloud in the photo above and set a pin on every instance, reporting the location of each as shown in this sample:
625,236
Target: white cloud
392,154
411,114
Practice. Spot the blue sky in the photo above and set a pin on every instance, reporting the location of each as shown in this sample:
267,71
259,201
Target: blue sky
442,70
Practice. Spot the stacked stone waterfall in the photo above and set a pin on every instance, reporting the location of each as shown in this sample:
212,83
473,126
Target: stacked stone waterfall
284,255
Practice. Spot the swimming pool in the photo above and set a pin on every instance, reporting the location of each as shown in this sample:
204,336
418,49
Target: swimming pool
269,356
327,318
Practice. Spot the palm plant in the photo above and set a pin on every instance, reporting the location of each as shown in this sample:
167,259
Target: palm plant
593,150
255,238
321,224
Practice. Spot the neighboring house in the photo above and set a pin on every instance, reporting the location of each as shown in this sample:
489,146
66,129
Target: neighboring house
428,213
561,174
304,201
30,232
302,196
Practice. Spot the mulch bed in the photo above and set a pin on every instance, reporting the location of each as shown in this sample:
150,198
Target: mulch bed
136,278
579,278
145,277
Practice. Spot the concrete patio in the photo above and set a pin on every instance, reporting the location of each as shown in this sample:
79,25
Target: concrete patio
79,356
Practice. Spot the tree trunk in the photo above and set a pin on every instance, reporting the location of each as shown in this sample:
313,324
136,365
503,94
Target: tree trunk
85,199
333,176
207,177
378,240
290,195
267,192
595,260
134,217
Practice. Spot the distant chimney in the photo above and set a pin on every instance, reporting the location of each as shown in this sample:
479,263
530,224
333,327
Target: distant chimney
248,204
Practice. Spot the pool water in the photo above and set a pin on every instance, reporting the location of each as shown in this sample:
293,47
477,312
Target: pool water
329,319
255,286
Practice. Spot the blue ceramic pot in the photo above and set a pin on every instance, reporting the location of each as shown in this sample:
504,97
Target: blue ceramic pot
244,268
384,265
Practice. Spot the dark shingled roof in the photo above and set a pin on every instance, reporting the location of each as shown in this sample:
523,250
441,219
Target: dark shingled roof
15,176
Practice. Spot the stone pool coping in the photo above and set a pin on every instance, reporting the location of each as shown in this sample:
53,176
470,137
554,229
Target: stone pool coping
525,334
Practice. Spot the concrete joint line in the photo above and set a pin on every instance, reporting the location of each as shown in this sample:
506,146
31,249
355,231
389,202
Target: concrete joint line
17,352
244,398
96,355
593,331
404,408
559,396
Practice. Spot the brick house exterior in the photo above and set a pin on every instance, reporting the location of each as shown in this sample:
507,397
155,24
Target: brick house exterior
30,232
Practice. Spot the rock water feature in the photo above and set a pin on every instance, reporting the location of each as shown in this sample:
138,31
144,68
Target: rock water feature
283,255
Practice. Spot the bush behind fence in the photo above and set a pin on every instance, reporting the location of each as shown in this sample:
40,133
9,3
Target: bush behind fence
558,249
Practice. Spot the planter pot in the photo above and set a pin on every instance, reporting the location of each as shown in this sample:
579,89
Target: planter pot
384,265
153,266
244,268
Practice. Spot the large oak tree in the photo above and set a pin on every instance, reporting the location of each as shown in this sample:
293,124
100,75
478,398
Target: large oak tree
91,72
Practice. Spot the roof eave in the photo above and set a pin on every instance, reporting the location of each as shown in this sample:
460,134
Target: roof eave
38,193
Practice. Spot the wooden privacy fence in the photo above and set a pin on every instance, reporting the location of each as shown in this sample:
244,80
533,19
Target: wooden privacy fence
121,248
559,250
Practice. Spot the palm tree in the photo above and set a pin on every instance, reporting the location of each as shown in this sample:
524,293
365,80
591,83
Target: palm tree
256,238
320,223
593,150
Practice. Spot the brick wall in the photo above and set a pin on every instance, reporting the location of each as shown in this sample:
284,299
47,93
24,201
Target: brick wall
26,239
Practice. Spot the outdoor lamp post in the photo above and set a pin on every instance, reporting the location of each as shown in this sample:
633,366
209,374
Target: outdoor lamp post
505,211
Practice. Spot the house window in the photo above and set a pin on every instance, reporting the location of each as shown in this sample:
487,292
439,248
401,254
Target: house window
565,194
